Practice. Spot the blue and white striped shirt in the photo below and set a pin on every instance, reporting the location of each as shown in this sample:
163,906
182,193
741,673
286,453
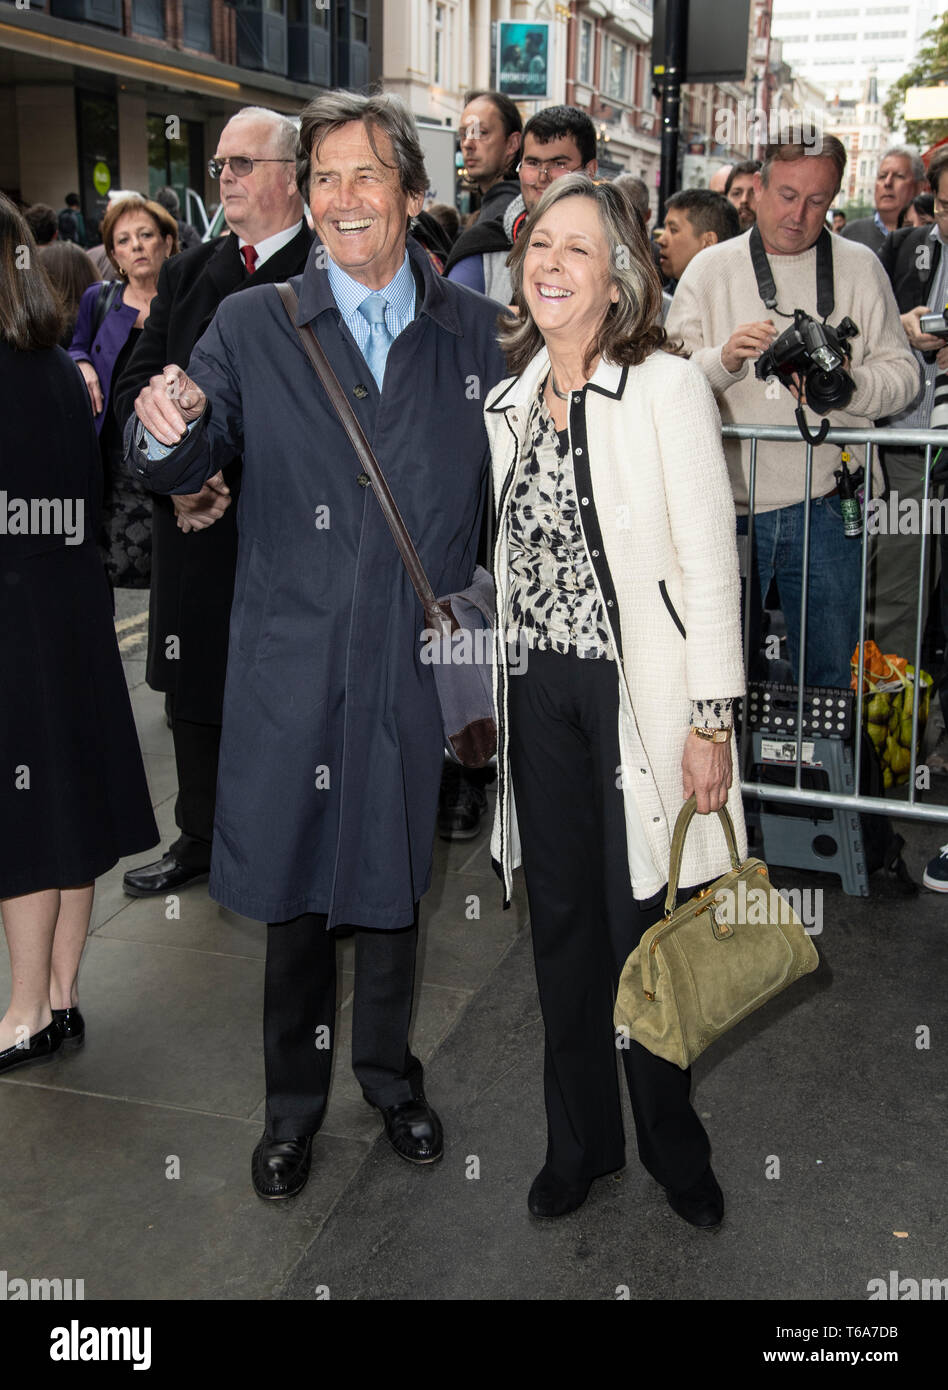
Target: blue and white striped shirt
399,296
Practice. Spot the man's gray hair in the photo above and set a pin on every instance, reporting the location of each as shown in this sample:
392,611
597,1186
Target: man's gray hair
914,158
636,190
285,138
384,111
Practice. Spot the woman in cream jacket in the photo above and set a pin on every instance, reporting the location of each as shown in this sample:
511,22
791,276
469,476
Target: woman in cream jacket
618,596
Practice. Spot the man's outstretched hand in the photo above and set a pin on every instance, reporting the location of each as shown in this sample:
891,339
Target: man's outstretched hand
168,404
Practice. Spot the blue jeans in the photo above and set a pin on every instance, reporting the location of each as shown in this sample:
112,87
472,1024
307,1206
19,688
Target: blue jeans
833,602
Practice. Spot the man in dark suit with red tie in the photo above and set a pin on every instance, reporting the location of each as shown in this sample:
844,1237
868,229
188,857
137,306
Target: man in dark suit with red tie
193,561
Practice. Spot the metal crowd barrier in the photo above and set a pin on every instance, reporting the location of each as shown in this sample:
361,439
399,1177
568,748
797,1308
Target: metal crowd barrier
931,441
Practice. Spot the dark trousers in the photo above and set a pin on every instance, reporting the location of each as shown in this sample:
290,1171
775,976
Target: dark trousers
564,758
196,751
299,1020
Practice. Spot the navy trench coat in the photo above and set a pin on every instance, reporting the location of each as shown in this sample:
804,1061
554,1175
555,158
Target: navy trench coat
332,745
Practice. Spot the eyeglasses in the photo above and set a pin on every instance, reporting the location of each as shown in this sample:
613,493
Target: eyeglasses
531,169
240,164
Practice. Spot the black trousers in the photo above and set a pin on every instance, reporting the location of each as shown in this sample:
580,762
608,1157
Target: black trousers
564,758
196,752
299,1020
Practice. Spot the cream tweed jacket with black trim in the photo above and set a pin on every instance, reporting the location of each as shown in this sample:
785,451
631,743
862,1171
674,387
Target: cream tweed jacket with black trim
659,526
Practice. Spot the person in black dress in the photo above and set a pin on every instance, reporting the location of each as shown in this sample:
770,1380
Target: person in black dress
73,795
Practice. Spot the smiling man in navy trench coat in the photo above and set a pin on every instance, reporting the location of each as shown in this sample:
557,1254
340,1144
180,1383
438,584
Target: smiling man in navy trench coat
332,743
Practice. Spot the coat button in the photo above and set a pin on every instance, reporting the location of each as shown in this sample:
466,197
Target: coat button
98,347
577,400
595,554
363,480
609,603
360,391
577,451
585,501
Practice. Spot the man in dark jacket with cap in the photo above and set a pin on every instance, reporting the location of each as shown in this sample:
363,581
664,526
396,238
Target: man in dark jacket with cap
332,744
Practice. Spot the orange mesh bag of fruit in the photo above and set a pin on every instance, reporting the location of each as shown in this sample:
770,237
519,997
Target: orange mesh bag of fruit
888,692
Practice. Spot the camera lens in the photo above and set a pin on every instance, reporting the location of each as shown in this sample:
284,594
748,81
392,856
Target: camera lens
828,390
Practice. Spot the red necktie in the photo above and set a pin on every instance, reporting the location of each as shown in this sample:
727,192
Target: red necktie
249,254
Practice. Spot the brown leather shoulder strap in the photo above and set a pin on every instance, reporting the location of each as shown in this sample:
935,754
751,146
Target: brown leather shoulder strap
365,455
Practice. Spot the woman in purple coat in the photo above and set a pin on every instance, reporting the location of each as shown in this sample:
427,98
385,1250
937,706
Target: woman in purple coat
138,236
73,796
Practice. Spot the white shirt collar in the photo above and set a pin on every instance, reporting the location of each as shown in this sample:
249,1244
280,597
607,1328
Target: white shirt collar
270,244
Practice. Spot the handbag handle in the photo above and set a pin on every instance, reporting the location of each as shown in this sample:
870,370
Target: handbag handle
435,613
685,817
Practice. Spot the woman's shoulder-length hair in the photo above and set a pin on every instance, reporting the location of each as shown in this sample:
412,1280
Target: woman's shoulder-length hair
631,328
164,222
30,314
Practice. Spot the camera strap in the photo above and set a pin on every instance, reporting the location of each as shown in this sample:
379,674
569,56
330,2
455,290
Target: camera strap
825,295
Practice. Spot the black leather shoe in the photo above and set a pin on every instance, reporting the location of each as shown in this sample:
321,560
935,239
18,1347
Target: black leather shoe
41,1047
702,1205
551,1196
280,1167
164,876
71,1025
461,804
414,1130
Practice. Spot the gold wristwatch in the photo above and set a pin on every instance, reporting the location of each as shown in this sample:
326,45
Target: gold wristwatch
712,735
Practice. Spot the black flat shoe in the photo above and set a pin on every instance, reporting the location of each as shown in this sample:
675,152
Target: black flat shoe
702,1205
279,1167
551,1196
41,1047
71,1025
414,1130
164,876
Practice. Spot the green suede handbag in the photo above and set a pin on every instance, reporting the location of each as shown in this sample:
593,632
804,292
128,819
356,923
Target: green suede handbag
710,963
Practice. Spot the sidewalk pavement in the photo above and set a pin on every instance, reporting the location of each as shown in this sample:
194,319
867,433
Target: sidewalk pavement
127,1164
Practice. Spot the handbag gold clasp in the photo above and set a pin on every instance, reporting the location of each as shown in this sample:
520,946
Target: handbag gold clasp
721,929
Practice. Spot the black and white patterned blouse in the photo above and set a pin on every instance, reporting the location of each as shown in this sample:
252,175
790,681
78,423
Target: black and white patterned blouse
553,600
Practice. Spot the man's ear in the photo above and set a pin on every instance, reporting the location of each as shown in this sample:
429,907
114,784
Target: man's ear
709,239
416,203
592,168
512,147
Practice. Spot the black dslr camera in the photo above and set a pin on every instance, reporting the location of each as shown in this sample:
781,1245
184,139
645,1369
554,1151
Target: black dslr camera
817,352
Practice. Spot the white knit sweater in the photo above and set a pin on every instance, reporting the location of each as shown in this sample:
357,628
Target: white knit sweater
660,500
718,292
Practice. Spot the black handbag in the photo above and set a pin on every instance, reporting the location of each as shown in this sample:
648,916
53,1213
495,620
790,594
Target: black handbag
458,635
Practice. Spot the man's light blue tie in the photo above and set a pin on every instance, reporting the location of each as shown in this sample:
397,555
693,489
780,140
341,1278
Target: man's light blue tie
380,340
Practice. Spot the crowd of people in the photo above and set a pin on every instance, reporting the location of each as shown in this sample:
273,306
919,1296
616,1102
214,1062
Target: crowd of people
306,730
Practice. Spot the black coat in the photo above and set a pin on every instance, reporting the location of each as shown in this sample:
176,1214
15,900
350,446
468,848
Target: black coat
73,795
192,582
332,745
865,231
909,272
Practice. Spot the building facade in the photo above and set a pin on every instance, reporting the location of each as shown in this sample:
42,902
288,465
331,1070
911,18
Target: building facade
863,130
835,45
609,75
105,94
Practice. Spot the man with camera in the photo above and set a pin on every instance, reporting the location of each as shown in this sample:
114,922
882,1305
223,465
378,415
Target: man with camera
734,304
